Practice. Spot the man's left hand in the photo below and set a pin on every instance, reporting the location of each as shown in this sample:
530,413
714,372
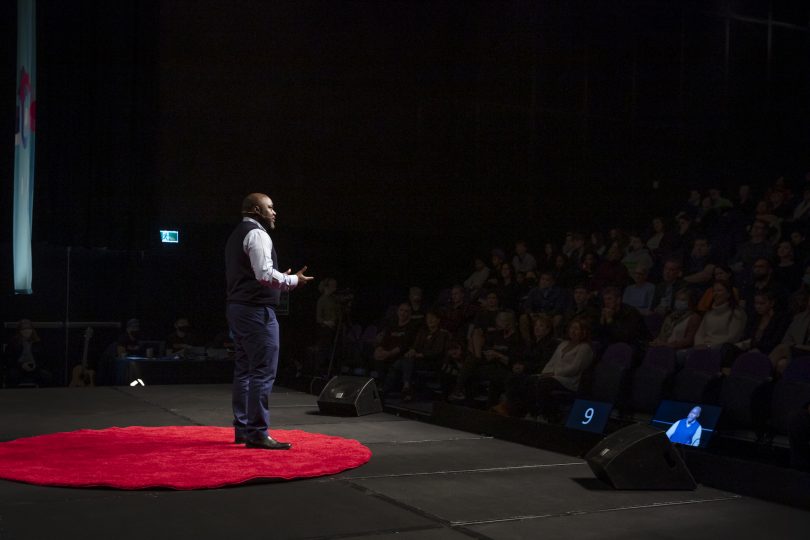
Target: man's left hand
302,279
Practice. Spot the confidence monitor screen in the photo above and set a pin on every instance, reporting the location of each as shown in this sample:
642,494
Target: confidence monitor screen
691,424
589,415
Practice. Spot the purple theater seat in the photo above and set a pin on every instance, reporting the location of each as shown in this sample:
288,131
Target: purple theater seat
798,370
651,378
704,360
752,364
618,354
662,358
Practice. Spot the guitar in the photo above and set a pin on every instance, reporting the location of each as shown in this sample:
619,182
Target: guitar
82,376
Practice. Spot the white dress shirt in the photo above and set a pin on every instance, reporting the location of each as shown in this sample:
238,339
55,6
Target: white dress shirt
259,248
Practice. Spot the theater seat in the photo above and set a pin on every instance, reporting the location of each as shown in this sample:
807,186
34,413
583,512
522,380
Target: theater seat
745,391
790,393
611,374
697,380
651,379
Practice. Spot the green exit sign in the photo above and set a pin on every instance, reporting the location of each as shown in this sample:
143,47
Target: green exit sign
170,237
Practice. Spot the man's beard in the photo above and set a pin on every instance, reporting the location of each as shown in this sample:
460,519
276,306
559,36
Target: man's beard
265,222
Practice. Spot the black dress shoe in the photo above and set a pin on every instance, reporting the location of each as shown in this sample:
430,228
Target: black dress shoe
239,439
267,443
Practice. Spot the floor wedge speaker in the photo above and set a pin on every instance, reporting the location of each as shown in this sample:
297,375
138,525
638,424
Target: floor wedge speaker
350,396
639,457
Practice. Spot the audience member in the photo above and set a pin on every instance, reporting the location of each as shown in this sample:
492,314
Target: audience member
396,339
640,294
523,261
537,355
765,329
415,296
427,352
479,276
699,265
451,367
547,298
693,203
181,338
585,272
685,236
659,240
801,212
636,255
721,273
501,348
498,257
671,282
745,201
724,322
129,343
562,373
508,290
25,358
718,201
327,310
581,307
762,276
562,271
611,271
598,244
541,346
546,262
483,323
680,326
619,323
577,249
787,271
801,249
796,341
458,314
757,247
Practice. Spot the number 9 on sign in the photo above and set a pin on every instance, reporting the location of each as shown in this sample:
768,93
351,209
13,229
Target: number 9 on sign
588,416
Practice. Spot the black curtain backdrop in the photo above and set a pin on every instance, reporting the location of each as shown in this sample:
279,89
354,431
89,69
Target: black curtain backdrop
398,139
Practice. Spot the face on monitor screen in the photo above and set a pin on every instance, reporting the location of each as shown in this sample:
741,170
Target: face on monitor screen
690,424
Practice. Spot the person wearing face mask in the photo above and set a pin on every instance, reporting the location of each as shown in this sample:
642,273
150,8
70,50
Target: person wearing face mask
253,287
129,343
24,357
679,327
181,337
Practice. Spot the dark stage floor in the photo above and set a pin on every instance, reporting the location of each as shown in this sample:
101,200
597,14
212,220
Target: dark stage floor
423,482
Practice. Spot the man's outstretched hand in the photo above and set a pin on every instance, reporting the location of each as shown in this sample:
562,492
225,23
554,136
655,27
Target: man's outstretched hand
302,279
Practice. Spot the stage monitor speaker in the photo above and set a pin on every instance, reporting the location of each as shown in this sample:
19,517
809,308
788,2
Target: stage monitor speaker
350,396
639,457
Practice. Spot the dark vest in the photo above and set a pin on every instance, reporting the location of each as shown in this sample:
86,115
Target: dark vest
242,287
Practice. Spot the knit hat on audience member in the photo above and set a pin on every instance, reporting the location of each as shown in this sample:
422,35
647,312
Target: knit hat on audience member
497,252
133,324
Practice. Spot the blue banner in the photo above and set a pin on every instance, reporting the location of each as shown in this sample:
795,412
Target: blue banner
24,144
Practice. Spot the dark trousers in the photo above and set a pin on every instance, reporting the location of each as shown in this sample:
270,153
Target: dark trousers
474,371
256,341
520,394
535,395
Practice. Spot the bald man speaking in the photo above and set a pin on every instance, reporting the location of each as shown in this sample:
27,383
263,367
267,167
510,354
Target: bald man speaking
254,286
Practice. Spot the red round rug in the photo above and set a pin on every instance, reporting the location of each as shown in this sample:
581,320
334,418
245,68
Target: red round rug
176,457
